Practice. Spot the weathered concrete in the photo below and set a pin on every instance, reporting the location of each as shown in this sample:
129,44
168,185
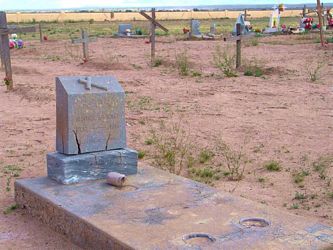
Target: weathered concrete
158,210
69,169
90,117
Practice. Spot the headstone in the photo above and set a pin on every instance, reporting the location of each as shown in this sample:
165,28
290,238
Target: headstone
123,29
195,28
244,28
90,130
274,21
212,29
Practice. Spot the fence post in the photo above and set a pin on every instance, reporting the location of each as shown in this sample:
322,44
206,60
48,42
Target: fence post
238,45
5,53
152,37
40,33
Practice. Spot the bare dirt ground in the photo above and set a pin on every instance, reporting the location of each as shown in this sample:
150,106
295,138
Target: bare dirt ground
281,116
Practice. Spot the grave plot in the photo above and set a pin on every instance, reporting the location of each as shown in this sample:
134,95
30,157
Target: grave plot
282,114
85,40
153,208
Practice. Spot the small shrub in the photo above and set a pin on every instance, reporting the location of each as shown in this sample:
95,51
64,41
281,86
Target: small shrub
173,148
294,206
299,177
205,175
322,164
300,196
253,68
141,154
314,71
11,171
196,73
205,156
330,195
224,62
258,72
235,161
91,21
272,166
149,141
10,209
182,63
248,72
157,62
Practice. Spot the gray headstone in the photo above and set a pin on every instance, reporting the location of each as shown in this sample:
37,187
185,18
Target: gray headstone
241,21
90,114
212,28
195,28
123,27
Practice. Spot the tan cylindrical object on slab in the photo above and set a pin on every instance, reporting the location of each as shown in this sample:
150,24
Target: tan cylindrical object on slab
116,179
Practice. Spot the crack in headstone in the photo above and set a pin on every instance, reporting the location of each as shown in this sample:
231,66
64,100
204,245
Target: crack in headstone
77,142
107,141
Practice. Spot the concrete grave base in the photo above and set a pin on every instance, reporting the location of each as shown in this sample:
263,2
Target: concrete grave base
69,169
157,210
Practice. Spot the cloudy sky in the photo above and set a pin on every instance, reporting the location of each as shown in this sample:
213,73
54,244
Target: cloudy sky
63,4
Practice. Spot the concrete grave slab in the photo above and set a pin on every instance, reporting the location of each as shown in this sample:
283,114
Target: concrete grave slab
157,210
90,114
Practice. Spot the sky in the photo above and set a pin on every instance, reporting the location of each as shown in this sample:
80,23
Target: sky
64,4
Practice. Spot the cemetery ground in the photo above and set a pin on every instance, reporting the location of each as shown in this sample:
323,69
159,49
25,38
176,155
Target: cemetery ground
264,132
58,30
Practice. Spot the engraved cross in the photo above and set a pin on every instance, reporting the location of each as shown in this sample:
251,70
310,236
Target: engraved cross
88,84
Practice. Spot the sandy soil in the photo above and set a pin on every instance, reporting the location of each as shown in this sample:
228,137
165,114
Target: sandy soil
282,116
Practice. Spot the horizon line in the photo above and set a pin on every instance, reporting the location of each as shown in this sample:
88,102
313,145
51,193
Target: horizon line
234,7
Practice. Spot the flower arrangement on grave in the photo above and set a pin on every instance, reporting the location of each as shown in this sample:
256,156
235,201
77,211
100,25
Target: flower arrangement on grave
281,7
14,42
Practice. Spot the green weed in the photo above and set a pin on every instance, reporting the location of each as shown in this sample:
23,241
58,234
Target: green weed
300,196
225,62
141,154
299,177
173,148
183,63
10,209
149,141
157,62
234,160
253,68
314,71
205,175
11,171
294,206
196,73
322,164
205,155
272,166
